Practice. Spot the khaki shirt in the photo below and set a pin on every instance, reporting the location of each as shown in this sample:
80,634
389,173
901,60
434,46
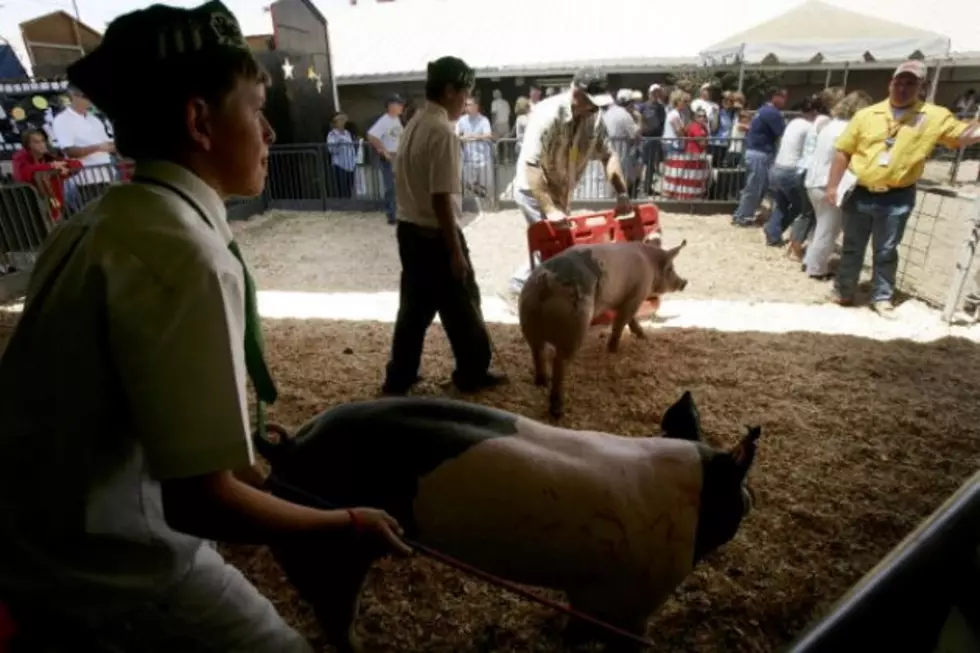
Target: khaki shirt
127,368
428,163
562,146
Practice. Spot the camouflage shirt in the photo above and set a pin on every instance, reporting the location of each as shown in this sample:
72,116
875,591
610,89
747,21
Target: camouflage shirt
561,145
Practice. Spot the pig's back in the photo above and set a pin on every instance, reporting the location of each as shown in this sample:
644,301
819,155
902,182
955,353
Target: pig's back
567,506
374,452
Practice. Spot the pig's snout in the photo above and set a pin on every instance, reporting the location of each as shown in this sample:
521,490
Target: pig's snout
681,284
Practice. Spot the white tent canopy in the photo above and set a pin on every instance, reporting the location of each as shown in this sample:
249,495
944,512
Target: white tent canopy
817,32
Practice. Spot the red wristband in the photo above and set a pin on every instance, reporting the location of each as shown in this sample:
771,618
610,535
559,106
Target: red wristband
355,522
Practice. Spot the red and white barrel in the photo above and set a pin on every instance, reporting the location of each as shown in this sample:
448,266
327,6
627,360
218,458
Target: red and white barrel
686,175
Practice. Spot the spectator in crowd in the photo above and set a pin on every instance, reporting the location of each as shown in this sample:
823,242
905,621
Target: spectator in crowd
534,95
741,119
343,157
564,133
784,176
35,157
675,124
437,274
500,110
476,134
803,225
654,117
885,147
760,149
131,469
706,103
383,137
624,136
722,132
686,174
81,135
697,133
828,216
522,109
966,104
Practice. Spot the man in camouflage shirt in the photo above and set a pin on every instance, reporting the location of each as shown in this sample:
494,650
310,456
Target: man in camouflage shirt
564,133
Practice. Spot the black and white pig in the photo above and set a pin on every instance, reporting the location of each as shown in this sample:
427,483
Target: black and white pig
615,522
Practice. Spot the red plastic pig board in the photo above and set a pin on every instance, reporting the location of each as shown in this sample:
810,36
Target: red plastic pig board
547,240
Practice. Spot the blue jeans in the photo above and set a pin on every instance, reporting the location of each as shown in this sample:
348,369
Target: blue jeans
807,222
784,184
388,179
882,218
757,165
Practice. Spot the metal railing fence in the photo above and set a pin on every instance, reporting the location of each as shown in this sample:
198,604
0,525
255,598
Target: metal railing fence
675,173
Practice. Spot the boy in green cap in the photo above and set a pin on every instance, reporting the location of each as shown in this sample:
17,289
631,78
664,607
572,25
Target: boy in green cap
123,388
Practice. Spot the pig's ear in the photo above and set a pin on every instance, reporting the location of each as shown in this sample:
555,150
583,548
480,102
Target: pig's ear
653,238
743,454
674,251
682,420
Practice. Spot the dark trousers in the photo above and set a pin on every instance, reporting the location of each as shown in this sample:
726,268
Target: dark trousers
428,287
653,154
804,225
341,182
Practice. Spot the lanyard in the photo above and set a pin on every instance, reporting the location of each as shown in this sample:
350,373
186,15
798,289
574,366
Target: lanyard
895,126
258,370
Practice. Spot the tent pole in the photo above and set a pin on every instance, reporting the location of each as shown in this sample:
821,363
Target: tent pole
741,68
934,86
826,81
847,69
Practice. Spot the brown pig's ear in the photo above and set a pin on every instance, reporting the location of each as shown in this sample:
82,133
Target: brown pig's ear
674,251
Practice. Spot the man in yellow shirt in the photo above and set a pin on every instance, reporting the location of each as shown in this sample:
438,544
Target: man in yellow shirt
885,146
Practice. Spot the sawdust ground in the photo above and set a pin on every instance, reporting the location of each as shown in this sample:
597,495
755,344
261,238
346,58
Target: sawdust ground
862,439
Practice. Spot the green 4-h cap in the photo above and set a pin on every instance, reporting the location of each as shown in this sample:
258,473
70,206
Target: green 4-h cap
142,45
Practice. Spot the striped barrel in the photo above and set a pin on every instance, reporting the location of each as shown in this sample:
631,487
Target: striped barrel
686,175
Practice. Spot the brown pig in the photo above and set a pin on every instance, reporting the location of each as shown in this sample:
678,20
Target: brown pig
562,296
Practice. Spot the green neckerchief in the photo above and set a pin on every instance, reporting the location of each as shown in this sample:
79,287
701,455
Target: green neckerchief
258,371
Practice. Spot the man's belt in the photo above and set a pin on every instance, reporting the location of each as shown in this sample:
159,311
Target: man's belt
881,189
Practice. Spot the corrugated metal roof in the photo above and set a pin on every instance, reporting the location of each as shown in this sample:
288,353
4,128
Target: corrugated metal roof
394,41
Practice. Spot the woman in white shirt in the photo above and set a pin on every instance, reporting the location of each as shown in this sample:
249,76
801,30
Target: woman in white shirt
676,121
343,158
803,226
522,108
784,181
828,215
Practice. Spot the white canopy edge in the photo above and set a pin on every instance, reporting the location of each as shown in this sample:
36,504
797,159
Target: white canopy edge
882,49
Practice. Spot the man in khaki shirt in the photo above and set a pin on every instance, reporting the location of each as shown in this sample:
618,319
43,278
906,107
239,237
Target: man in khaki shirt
123,397
437,275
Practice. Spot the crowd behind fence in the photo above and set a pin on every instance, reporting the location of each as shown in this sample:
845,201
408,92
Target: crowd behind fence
311,177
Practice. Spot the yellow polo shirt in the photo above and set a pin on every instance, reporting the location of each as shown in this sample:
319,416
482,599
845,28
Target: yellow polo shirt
880,165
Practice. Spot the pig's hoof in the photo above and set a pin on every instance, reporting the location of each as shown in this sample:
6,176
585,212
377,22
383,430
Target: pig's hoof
613,346
540,380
